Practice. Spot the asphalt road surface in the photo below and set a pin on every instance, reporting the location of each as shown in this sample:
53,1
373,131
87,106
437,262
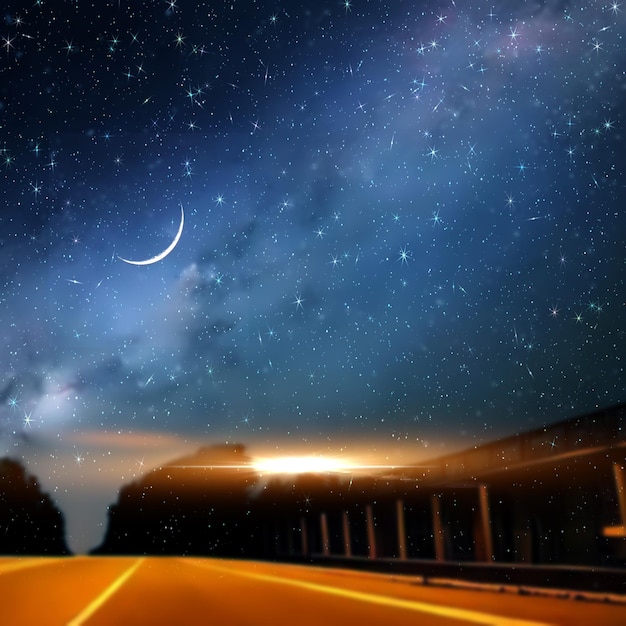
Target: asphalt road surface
133,591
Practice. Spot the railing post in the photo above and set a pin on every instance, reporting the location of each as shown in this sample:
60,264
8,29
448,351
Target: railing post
618,530
371,533
325,540
620,486
485,521
402,554
440,551
346,534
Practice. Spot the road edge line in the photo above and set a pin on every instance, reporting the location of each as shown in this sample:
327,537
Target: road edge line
468,615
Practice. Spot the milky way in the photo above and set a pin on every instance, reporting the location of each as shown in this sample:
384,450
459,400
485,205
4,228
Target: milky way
404,225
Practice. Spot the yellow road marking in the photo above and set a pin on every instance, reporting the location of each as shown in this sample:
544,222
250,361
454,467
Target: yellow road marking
90,609
467,615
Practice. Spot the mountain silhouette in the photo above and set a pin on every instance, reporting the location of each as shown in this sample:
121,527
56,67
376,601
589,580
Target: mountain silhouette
215,503
194,505
30,523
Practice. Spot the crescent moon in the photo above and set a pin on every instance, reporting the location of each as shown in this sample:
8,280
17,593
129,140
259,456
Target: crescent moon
162,255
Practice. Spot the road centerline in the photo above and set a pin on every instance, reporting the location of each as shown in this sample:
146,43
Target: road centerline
97,602
468,615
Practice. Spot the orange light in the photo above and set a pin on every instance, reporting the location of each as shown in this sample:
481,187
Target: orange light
302,465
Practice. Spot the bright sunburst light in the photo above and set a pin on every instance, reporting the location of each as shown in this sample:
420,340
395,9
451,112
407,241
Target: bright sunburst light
302,465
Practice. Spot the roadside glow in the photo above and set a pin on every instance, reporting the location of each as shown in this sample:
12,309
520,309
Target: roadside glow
301,465
308,464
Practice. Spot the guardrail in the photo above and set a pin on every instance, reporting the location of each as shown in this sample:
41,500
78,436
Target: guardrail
597,580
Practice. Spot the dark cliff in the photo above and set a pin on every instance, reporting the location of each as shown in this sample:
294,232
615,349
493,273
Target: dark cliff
194,505
30,523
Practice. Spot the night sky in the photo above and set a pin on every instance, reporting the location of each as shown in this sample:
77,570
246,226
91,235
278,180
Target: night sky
403,229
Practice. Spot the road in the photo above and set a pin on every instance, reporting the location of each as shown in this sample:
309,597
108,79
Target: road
135,591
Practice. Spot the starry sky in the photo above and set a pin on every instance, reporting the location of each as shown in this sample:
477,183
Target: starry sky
403,229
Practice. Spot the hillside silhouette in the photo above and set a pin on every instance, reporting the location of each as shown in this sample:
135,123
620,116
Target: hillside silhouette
211,503
30,523
194,505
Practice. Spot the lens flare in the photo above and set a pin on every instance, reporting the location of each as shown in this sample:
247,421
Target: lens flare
302,465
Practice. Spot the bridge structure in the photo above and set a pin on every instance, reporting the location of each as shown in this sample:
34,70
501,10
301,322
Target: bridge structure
552,496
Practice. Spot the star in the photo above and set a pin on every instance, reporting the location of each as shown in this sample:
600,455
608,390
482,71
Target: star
179,40
596,46
8,43
404,256
113,43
